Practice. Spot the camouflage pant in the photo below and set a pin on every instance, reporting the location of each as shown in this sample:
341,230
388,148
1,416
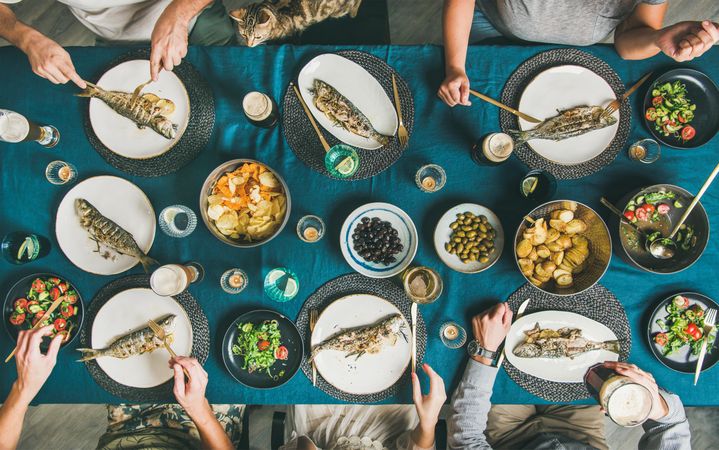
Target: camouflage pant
163,426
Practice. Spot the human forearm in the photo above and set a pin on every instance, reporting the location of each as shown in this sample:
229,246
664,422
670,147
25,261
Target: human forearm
637,43
470,407
672,431
12,415
14,31
212,435
456,25
185,10
423,436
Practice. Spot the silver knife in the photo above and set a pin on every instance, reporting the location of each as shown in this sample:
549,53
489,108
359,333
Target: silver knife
414,336
519,314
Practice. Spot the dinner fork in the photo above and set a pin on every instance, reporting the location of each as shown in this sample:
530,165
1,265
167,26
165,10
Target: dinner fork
615,104
709,323
313,322
160,333
402,133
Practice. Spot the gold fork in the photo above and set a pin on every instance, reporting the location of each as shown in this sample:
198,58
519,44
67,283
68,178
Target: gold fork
313,322
402,133
160,333
137,91
615,104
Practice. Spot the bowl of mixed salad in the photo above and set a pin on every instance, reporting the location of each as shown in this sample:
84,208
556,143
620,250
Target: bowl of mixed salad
655,210
681,108
30,298
262,349
676,332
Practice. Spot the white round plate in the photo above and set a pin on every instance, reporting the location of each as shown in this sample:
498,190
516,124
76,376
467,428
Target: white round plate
406,232
561,370
120,134
442,232
129,311
367,374
359,87
561,88
118,200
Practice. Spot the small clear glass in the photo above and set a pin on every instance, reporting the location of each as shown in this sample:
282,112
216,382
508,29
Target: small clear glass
452,335
430,178
310,229
177,221
645,151
422,284
60,172
342,161
538,186
281,284
233,281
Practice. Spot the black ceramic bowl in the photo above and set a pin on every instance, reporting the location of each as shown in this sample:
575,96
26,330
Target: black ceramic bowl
290,338
20,290
633,246
702,92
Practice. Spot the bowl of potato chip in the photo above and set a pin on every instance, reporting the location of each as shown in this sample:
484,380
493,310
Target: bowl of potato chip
244,203
563,247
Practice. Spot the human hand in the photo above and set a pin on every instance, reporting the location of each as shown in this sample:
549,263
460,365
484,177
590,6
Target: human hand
190,394
168,41
685,41
455,88
659,406
491,327
50,61
34,368
428,406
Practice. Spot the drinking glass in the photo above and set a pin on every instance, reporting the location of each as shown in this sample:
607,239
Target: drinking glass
430,178
422,284
645,151
233,281
177,221
15,127
281,284
60,172
342,161
20,247
538,185
310,229
452,335
173,279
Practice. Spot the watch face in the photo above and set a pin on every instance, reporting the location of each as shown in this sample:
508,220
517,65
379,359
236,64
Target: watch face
473,348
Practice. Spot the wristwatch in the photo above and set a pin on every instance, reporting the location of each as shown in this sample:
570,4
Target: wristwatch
475,349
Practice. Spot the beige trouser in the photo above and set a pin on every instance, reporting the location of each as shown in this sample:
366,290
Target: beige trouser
510,426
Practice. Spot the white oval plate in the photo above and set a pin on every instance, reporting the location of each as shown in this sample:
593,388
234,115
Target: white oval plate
129,311
442,232
369,373
565,87
359,87
561,370
405,230
118,200
120,134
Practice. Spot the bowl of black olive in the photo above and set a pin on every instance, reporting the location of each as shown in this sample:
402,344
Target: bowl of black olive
378,240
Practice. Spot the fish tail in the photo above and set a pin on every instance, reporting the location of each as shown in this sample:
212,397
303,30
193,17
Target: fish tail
146,262
612,346
89,354
520,137
90,91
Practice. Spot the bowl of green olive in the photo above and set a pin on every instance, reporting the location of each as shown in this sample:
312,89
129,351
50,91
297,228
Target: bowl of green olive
469,238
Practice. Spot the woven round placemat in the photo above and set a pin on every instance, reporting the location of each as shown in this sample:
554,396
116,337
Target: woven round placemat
525,73
596,303
303,140
343,286
163,392
186,148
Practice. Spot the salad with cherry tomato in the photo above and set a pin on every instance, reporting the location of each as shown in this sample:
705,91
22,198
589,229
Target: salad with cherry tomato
30,309
260,347
652,207
671,111
683,326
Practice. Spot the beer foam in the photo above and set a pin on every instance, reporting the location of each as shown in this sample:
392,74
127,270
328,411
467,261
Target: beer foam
630,405
256,105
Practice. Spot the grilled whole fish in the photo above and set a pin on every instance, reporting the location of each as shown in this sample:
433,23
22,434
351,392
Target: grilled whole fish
104,231
568,123
562,343
144,110
343,113
369,339
136,343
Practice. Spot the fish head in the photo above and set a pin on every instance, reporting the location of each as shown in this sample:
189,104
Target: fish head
395,323
82,206
606,120
168,323
527,350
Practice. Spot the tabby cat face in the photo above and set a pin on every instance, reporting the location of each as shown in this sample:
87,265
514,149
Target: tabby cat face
255,23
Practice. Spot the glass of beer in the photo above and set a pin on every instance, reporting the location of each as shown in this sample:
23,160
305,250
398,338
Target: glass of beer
15,127
493,150
626,402
173,279
260,110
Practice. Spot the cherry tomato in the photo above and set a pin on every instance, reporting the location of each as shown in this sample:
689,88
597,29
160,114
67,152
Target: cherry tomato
63,287
38,285
54,293
21,304
663,208
32,302
17,319
71,298
681,302
60,324
263,345
651,114
693,331
681,119
629,215
688,132
649,209
53,280
656,101
67,311
281,352
641,213
661,339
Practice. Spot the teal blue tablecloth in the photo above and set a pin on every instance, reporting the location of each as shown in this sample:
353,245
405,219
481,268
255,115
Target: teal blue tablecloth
442,135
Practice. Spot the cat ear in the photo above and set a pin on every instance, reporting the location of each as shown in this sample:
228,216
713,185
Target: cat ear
264,16
239,15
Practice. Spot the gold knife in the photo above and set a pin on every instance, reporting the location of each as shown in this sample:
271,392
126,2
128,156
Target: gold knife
49,311
413,312
520,313
526,117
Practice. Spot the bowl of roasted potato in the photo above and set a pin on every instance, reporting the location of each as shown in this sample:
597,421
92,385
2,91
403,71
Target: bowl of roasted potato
563,247
244,203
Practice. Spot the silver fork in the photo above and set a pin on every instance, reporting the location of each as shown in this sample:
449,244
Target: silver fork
709,323
402,133
313,322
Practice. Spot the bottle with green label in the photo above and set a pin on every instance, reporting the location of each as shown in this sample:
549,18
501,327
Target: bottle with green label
20,248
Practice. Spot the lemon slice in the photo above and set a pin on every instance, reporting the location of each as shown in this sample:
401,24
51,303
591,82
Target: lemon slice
529,185
346,167
166,106
27,246
291,288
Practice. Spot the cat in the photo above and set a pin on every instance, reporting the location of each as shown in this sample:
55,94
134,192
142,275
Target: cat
275,19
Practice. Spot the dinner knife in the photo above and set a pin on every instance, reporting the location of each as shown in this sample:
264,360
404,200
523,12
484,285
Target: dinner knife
49,311
414,336
517,316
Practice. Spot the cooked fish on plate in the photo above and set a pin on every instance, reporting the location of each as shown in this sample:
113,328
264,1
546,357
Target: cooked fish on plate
562,343
368,339
136,343
568,123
